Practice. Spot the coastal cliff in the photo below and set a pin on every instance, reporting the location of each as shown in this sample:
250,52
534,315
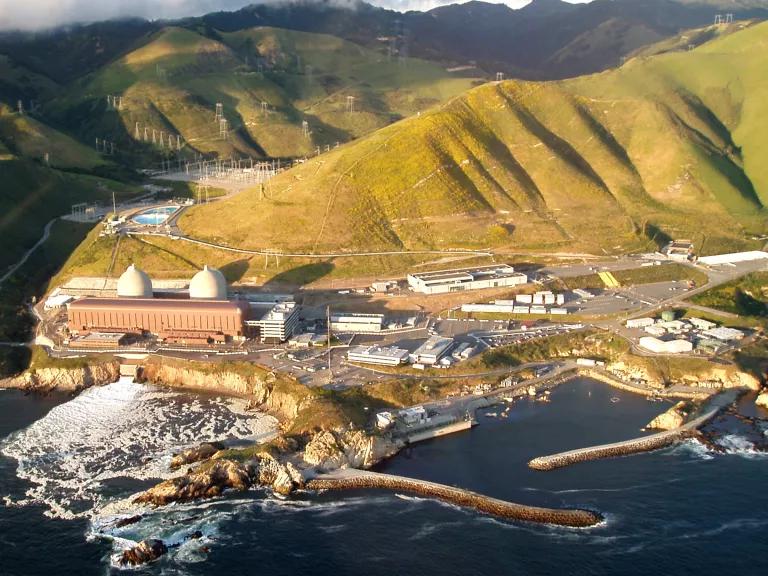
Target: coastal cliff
66,374
695,373
277,395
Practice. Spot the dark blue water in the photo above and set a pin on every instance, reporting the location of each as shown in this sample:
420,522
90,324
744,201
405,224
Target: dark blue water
675,511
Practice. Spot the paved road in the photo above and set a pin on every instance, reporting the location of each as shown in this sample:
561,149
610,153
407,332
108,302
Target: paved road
12,270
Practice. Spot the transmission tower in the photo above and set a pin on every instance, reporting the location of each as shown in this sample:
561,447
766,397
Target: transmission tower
718,19
20,107
499,76
223,132
219,111
729,18
137,133
350,104
264,109
305,129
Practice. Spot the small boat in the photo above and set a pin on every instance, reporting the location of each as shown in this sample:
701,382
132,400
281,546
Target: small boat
614,400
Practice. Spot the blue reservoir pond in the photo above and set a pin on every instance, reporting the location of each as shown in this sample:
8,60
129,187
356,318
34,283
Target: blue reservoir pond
681,510
155,216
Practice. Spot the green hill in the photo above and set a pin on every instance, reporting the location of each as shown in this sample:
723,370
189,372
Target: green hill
173,82
662,147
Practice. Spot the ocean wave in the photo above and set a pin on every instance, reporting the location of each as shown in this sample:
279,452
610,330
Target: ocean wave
691,447
122,430
619,489
740,446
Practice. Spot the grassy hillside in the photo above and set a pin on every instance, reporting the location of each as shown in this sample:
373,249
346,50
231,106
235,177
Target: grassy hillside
28,137
173,82
33,194
663,147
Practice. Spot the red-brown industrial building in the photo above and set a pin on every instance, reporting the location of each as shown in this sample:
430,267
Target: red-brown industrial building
190,320
206,316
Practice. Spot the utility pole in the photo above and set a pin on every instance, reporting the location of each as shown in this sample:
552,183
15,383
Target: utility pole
328,321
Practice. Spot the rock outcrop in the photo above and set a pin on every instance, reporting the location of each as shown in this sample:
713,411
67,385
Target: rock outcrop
212,478
762,399
330,450
207,481
144,552
672,418
197,454
66,379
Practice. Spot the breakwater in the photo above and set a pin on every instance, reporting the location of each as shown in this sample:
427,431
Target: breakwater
635,445
358,479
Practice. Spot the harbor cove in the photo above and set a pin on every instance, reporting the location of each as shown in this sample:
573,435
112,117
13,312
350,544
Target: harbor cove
70,483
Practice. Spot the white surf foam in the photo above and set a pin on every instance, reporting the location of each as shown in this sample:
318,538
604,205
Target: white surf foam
123,429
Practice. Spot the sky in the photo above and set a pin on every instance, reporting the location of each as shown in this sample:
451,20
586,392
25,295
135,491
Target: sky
41,14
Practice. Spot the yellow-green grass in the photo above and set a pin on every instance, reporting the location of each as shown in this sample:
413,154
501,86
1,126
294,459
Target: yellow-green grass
30,138
643,275
32,195
747,296
173,82
664,147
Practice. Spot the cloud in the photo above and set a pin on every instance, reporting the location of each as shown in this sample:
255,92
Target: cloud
40,14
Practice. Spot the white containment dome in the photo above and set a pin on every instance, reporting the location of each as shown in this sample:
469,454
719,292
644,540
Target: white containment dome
134,283
208,284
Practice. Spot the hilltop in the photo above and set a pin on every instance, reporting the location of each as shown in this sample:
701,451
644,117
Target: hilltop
664,146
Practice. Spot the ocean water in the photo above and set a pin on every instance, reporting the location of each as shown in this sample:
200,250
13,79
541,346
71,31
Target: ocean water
681,510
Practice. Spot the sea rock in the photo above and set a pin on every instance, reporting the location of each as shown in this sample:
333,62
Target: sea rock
144,552
350,448
197,454
267,471
762,399
672,418
207,481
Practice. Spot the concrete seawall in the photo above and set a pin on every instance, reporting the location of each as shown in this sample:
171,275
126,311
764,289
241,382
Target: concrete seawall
358,479
635,445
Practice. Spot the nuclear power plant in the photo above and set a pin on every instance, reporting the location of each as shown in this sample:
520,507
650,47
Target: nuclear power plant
203,315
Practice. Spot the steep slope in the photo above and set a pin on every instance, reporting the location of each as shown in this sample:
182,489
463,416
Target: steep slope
28,137
173,82
665,146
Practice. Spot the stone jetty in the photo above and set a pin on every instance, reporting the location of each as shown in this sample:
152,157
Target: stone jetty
360,479
636,445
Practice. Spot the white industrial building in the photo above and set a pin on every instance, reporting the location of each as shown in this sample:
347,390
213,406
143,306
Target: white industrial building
640,322
495,276
278,320
665,346
383,356
724,334
432,350
702,324
733,258
357,323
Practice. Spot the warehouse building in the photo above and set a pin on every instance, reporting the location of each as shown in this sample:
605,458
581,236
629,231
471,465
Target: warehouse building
357,323
444,281
432,350
665,346
383,356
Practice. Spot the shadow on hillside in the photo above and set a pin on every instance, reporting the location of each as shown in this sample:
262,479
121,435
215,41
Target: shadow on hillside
300,276
656,235
234,271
